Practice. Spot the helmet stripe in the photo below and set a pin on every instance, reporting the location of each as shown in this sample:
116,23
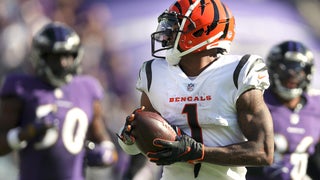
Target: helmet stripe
203,5
215,18
177,4
226,11
226,28
216,11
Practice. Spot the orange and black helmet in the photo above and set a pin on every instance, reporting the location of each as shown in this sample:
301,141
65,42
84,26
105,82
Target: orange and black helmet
193,26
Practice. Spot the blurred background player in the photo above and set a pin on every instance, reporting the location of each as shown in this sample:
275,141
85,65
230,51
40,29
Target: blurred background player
50,116
313,168
108,45
215,98
295,111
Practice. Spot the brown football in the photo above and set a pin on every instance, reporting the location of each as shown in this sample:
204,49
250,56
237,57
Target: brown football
148,126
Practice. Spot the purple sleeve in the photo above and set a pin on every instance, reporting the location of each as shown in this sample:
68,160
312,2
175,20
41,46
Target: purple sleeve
11,86
95,87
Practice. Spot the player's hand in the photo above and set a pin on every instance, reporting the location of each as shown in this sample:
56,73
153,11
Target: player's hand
101,155
36,129
126,134
184,149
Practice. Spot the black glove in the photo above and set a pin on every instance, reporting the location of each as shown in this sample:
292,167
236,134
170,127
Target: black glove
126,135
184,149
36,130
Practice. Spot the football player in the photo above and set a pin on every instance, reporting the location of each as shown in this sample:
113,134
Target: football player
216,99
49,116
294,108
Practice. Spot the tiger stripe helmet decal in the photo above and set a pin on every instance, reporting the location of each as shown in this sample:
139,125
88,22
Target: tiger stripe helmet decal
210,17
191,26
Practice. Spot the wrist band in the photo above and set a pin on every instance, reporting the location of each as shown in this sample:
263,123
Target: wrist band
14,141
109,155
107,144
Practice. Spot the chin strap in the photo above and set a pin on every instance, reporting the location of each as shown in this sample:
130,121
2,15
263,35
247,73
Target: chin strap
173,55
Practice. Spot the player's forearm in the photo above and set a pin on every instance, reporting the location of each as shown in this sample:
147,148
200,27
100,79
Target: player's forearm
243,154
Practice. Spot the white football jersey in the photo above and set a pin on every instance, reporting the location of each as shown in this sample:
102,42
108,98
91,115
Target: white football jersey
204,107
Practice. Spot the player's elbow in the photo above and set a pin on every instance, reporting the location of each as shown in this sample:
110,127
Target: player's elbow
263,153
262,159
266,156
266,150
269,152
268,160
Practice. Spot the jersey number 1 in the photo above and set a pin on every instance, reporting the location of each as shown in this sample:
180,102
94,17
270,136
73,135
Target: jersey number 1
192,117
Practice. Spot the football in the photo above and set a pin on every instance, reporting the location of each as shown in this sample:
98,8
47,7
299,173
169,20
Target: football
148,126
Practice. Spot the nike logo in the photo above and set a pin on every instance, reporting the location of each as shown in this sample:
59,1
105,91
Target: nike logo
261,76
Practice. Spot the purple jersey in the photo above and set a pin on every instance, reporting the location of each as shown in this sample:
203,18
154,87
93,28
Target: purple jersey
296,134
59,154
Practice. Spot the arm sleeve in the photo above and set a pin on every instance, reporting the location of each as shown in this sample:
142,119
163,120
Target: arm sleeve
95,87
9,86
141,84
254,75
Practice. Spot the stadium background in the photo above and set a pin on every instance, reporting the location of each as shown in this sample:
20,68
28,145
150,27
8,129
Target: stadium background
116,38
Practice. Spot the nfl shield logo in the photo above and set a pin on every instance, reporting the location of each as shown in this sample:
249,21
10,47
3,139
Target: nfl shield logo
190,87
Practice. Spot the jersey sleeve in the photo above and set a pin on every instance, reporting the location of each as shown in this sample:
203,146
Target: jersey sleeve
253,75
145,77
9,86
98,91
96,88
